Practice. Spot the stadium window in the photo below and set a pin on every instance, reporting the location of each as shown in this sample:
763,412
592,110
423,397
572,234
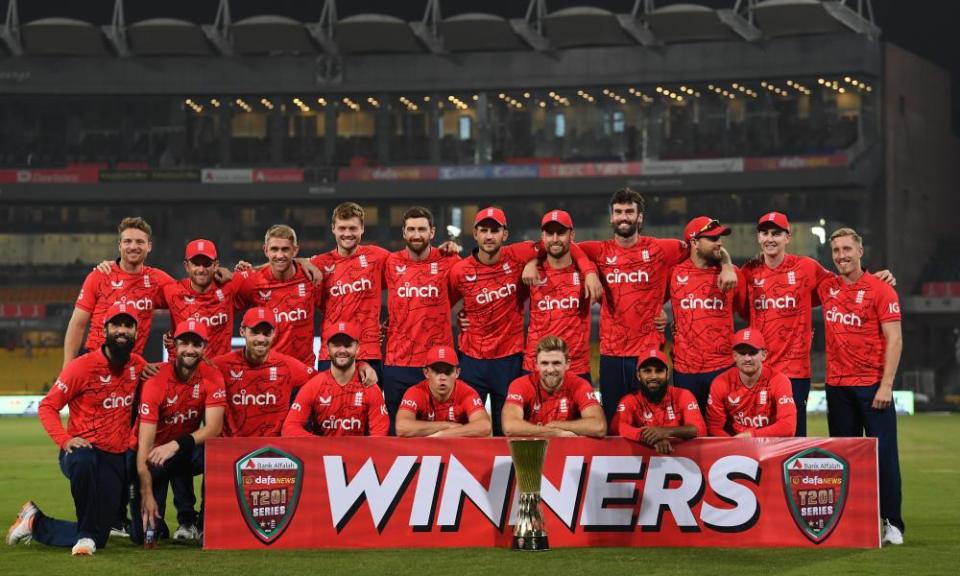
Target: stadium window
560,126
619,122
465,127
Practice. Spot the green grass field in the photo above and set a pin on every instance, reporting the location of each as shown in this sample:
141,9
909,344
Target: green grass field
931,476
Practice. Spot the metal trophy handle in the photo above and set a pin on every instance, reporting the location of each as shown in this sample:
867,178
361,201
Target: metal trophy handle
529,533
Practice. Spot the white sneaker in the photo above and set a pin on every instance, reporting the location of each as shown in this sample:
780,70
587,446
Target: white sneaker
186,532
891,535
21,531
84,547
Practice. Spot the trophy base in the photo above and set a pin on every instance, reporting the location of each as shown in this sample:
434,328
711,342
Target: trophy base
530,543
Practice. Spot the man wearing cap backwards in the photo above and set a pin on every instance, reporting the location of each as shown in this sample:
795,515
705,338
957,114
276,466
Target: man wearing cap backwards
552,401
750,399
702,312
634,270
442,405
98,387
861,316
491,321
781,291
335,402
180,408
259,381
657,411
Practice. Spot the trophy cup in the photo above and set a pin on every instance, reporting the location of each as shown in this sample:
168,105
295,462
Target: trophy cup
529,533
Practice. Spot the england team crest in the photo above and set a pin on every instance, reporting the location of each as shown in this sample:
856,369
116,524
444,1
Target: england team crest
815,483
268,488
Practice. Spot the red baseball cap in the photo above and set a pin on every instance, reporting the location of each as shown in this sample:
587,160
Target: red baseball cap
776,219
191,326
749,337
256,316
704,226
201,247
346,328
490,213
120,308
653,355
561,217
442,355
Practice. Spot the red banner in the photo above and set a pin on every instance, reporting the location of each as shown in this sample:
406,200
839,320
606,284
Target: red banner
387,173
590,170
23,310
392,493
79,174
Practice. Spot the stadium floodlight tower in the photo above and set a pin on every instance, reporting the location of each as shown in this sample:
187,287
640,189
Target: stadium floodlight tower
219,32
116,32
10,32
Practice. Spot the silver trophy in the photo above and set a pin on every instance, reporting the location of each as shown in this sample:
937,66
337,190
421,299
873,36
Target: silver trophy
529,533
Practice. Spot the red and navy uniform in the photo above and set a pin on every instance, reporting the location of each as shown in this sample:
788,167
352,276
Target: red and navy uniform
462,403
567,402
765,409
635,412
334,409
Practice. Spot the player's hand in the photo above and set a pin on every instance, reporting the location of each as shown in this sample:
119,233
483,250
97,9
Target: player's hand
728,278
565,433
167,340
531,275
663,447
150,370
450,247
660,321
592,288
651,435
160,454
149,511
744,434
886,276
104,266
222,275
242,266
368,376
312,272
463,322
76,442
883,398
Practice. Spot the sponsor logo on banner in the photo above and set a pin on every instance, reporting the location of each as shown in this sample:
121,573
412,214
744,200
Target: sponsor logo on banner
836,160
704,166
227,176
588,170
268,484
388,174
278,175
815,482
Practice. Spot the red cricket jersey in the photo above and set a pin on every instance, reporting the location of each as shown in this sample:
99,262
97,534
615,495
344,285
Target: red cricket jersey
258,397
634,280
702,318
336,409
461,404
853,315
177,408
293,303
766,409
558,308
677,408
780,302
568,401
214,309
100,401
352,290
418,304
143,290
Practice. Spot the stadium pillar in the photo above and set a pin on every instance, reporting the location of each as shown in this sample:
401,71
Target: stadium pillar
433,115
276,131
382,130
484,149
330,133
224,131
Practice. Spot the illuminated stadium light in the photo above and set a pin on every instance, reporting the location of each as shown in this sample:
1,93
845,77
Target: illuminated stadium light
821,81
476,97
193,106
709,86
543,104
215,103
268,104
841,90
526,94
243,105
501,95
659,90
351,104
321,101
846,79
426,98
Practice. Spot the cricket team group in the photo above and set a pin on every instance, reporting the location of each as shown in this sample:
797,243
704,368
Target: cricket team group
136,429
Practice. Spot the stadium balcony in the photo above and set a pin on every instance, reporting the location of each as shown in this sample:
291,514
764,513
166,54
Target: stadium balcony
474,31
167,37
62,37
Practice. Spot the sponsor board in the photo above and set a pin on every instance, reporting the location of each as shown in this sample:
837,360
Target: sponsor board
387,174
23,405
69,175
903,401
425,493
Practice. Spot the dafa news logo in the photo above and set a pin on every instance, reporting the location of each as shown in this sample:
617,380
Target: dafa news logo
815,482
268,487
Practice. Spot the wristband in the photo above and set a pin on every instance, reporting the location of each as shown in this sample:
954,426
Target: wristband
186,442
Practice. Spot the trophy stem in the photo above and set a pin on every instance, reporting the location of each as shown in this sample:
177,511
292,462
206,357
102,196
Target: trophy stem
529,533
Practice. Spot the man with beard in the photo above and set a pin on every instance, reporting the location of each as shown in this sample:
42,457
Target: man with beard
491,322
335,402
657,411
180,408
751,400
861,316
98,388
442,405
260,382
634,270
702,312
552,401
418,305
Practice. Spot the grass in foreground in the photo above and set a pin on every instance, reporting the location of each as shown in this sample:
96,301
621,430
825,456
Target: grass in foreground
929,458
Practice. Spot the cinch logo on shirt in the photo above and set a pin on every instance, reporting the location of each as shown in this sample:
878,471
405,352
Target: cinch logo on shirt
409,403
488,295
781,303
408,291
693,303
568,303
758,421
181,418
215,320
636,277
143,304
334,423
344,288
837,317
294,315
243,399
115,401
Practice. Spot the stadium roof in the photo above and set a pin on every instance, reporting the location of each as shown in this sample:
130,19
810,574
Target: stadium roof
293,30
